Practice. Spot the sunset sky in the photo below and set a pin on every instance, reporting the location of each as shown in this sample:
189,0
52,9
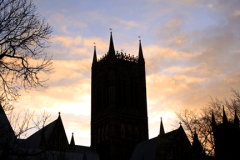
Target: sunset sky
191,50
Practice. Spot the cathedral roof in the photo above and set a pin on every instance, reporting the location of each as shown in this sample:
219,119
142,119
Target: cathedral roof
147,149
34,140
44,134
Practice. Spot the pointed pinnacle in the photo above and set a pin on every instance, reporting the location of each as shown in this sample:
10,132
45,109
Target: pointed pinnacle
72,140
111,45
195,138
224,116
213,120
161,132
94,56
140,53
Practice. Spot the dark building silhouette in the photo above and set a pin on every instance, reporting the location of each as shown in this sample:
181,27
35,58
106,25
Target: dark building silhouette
173,145
118,105
226,138
119,122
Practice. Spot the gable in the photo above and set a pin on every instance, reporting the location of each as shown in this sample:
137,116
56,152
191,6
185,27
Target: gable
58,139
51,137
34,140
180,147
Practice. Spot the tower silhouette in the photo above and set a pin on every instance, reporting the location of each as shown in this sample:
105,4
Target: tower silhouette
118,103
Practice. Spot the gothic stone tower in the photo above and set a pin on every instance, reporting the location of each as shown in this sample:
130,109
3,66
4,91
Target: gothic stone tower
118,104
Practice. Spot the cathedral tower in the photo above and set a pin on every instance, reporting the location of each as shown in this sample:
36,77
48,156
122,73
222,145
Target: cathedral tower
118,103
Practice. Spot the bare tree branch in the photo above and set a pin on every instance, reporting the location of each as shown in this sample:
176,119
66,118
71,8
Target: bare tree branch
201,120
23,37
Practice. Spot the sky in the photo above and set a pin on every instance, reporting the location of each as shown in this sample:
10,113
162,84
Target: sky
191,50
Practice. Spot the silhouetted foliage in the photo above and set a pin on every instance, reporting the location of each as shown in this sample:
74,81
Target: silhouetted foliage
200,120
23,37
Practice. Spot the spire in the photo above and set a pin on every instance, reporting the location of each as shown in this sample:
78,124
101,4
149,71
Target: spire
224,116
236,120
59,116
162,139
94,56
180,127
213,120
197,147
72,144
161,132
140,53
195,138
111,45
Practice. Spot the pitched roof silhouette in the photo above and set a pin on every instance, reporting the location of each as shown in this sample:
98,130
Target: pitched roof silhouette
34,140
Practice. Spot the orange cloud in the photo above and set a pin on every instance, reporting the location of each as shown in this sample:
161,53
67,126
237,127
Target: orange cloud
73,69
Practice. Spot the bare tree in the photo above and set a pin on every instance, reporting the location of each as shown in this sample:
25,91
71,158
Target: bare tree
27,120
200,120
23,37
